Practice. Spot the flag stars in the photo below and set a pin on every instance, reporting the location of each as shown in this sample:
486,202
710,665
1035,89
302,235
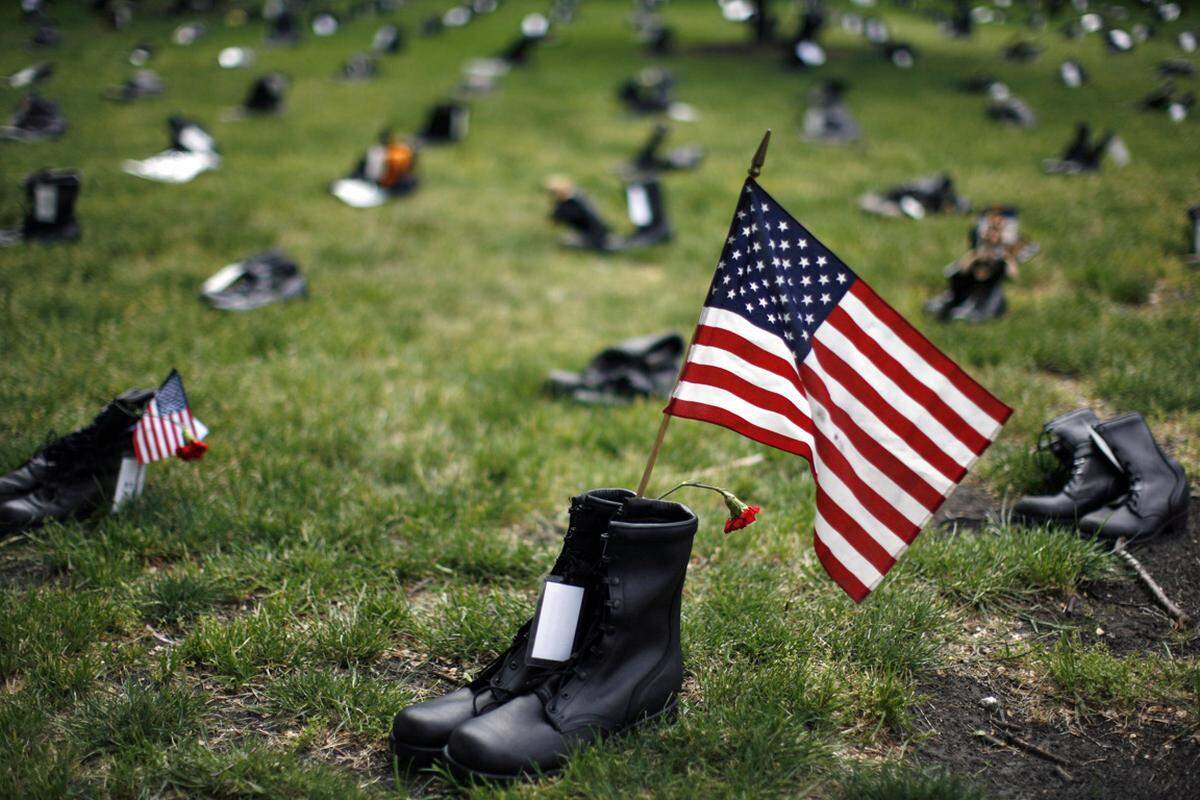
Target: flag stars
757,247
737,254
774,262
771,243
823,280
821,261
841,278
804,335
745,231
762,301
732,294
809,319
754,286
727,279
805,280
749,308
788,335
771,318
783,226
804,263
826,299
779,280
784,245
802,244
807,300
741,215
787,263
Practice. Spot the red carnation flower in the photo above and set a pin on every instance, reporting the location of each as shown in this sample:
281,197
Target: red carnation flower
747,517
192,451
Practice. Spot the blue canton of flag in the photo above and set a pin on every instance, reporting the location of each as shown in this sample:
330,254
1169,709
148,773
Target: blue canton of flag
777,275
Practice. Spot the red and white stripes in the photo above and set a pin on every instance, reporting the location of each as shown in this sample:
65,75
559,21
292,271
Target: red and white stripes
888,423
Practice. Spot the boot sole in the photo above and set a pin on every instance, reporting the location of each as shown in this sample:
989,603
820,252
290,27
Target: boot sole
463,772
411,755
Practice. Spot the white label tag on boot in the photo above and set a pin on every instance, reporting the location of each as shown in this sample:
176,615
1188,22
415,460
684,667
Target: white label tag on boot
45,202
556,623
1104,448
131,480
639,205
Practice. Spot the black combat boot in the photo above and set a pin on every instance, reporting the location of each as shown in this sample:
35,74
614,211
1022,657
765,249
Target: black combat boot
50,215
420,731
629,668
74,475
1157,500
1094,479
36,118
574,209
447,123
985,298
960,285
266,94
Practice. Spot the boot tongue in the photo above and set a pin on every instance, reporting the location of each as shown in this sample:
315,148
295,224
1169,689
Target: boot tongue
1074,430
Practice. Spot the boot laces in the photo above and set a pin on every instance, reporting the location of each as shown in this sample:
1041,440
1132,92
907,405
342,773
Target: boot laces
590,649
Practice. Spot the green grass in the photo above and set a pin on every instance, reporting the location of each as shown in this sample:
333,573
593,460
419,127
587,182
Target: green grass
387,479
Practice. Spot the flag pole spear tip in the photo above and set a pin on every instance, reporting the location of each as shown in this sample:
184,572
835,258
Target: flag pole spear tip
760,155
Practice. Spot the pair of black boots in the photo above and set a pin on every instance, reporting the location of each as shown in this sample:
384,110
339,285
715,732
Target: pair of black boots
76,475
1120,485
645,206
630,555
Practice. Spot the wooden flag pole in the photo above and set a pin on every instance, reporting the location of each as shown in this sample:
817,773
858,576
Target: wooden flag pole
756,165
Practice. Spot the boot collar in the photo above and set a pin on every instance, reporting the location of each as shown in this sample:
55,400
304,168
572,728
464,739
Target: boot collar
601,499
643,520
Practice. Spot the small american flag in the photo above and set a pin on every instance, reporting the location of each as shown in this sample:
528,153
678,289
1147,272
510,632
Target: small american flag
162,428
795,351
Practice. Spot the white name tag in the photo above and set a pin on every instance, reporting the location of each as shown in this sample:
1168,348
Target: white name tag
639,205
131,480
556,623
45,202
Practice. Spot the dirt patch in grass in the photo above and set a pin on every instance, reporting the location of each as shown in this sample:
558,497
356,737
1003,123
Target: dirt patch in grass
969,508
1148,757
1123,615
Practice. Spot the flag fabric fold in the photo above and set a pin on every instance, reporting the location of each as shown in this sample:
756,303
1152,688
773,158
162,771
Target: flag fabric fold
795,351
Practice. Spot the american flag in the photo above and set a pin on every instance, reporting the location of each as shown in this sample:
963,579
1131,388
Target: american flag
795,351
160,432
